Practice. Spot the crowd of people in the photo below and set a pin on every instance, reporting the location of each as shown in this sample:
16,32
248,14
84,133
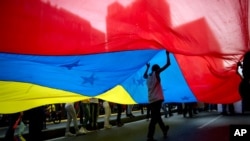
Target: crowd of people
84,117
87,111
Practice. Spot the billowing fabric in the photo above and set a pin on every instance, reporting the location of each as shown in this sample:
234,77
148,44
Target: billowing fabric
58,51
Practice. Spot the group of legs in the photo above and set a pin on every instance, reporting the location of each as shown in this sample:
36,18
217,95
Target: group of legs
35,117
91,118
90,112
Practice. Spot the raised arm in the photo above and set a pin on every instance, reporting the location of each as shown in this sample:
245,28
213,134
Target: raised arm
167,64
146,72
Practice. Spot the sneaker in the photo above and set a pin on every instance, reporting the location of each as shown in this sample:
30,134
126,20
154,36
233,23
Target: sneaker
87,131
120,124
84,130
68,134
130,115
165,132
108,126
80,132
21,138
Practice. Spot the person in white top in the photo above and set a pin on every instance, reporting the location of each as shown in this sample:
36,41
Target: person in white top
155,96
71,114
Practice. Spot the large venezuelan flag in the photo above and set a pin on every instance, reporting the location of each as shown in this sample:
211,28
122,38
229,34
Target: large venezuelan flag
57,51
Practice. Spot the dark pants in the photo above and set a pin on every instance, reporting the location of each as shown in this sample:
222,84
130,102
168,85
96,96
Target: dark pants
148,111
86,113
94,112
9,136
155,108
36,123
119,112
244,90
230,108
81,114
188,108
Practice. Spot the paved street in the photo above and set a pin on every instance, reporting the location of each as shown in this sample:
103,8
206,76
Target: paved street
206,126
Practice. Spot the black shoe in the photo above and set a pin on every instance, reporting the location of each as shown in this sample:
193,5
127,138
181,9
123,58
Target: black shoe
130,115
119,124
165,132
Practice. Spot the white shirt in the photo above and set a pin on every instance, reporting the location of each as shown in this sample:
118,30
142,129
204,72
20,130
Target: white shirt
155,92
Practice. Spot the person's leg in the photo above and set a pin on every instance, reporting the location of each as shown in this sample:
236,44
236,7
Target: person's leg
105,106
180,108
94,115
72,113
91,110
73,116
119,112
141,108
185,109
157,113
158,106
195,108
9,135
68,121
164,108
231,109
224,109
129,111
107,114
153,121
81,113
148,111
190,109
36,124
86,111
170,112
